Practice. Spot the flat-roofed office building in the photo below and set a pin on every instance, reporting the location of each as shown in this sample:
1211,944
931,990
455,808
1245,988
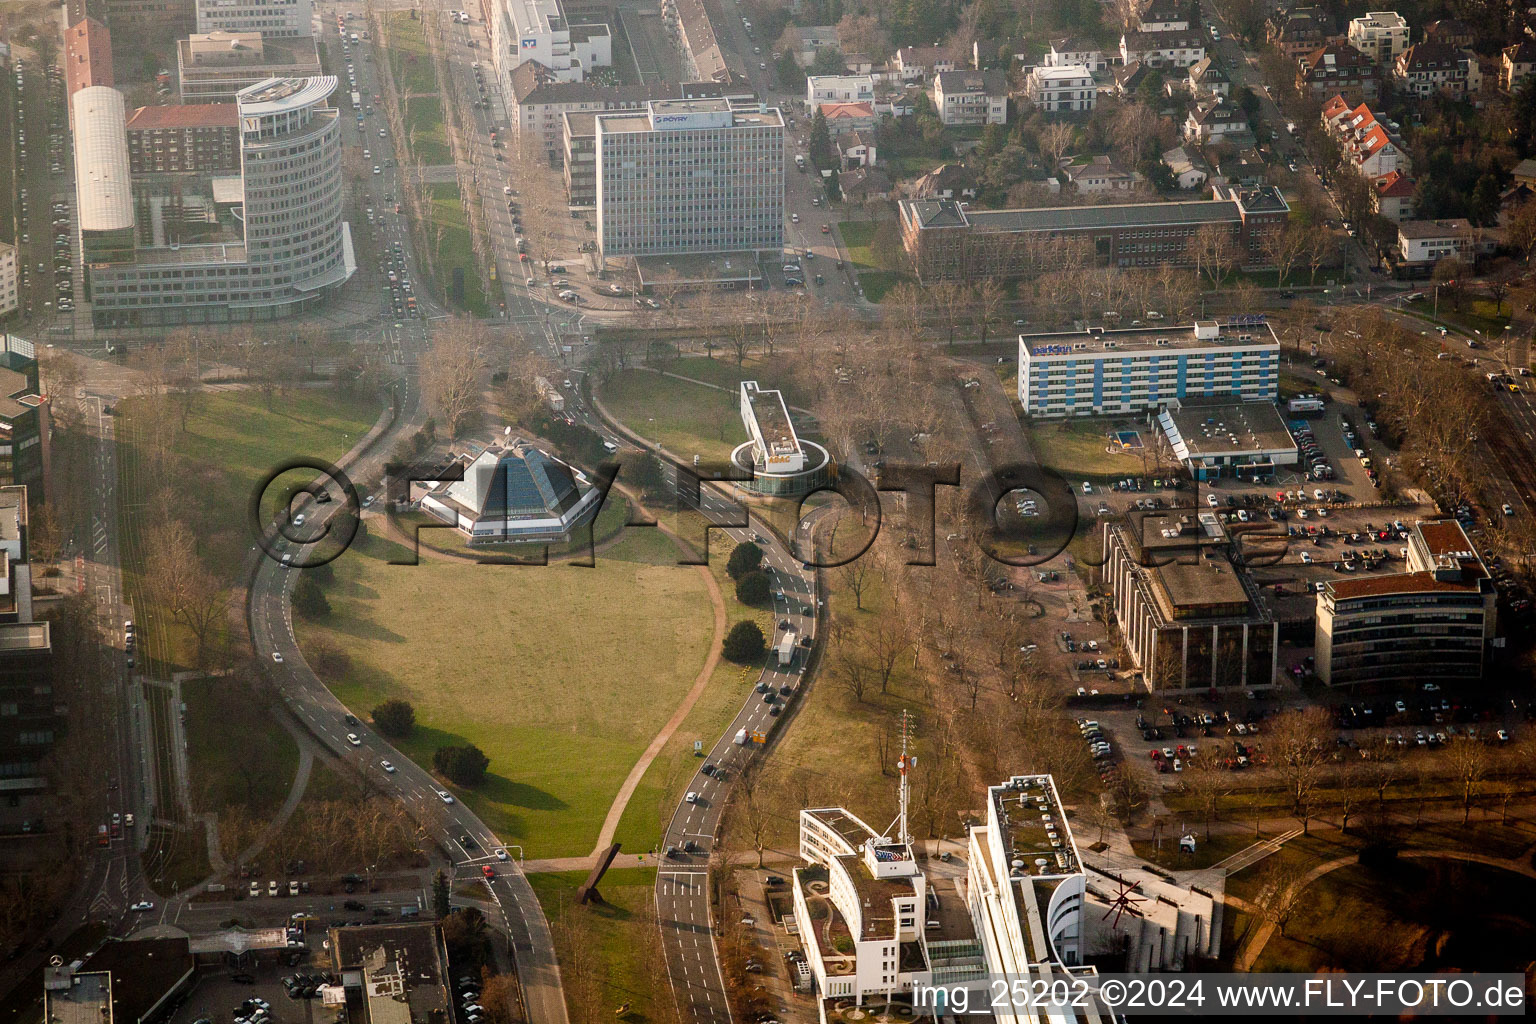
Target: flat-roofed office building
215,66
1101,371
272,18
690,176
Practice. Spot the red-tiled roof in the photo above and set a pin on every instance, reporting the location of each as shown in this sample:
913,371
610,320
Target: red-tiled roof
192,115
1394,184
87,55
831,110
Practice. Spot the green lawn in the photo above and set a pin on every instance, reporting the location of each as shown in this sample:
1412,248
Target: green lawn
409,58
1477,314
656,797
1078,447
857,236
562,675
686,418
609,951
454,248
246,759
425,132
232,441
877,282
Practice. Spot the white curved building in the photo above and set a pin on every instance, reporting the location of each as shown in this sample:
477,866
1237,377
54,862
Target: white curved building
103,181
296,247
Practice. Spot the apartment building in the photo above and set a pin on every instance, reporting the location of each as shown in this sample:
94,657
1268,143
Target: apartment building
690,176
1430,69
1380,35
917,62
1107,371
539,30
10,297
1298,31
971,97
215,66
130,16
839,89
1451,32
1208,80
200,138
1067,88
1428,241
946,240
579,158
1177,49
1189,613
1392,196
87,56
1215,120
1073,52
538,101
290,251
1163,16
1434,622
1338,68
273,19
1371,146
1516,63
31,718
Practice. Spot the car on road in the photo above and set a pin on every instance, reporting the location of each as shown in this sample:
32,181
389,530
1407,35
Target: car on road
277,656
692,797
142,906
255,889
445,796
353,739
272,887
501,854
387,767
487,871
1509,509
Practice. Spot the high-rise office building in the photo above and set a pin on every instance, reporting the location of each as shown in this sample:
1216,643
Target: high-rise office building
690,176
287,250
31,719
276,18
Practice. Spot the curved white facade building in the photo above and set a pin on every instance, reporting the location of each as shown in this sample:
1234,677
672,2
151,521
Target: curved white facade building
296,248
103,181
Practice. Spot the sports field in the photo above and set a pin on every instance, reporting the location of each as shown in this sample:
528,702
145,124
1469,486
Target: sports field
562,675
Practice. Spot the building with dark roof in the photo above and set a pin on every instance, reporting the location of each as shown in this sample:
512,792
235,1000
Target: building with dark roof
34,718
87,56
184,138
512,495
393,973
1429,69
1338,68
1434,622
1516,62
1188,611
24,424
1450,31
538,101
947,240
1298,31
146,975
1215,437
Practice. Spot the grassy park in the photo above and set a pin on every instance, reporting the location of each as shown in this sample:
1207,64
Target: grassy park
409,58
685,418
1079,448
561,675
610,953
448,232
858,238
425,132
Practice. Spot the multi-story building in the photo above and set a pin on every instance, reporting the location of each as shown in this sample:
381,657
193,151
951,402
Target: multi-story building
200,138
1516,63
1188,612
292,248
87,56
31,718
1215,120
839,89
813,38
1101,174
1105,371
1434,622
690,176
538,102
579,153
129,16
215,66
1426,242
1451,32
10,296
1063,88
884,929
1208,79
1076,52
1297,32
1380,35
1162,49
1337,68
538,30
24,421
946,240
1392,196
274,19
1370,146
1430,69
916,62
1163,16
971,97
698,46
103,182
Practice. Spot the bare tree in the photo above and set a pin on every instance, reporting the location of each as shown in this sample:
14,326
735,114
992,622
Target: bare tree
1468,760
451,376
1299,751
1284,881
1213,252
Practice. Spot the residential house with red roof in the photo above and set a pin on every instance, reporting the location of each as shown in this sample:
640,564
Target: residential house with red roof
1392,196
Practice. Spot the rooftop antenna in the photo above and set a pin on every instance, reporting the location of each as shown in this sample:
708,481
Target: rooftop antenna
903,763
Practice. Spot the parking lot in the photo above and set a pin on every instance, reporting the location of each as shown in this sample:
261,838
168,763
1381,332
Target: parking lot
220,996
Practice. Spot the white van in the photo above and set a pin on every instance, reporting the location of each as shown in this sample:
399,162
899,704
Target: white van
610,446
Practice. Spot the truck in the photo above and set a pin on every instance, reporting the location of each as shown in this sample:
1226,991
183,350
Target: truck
741,738
1305,406
549,394
786,648
357,100
354,38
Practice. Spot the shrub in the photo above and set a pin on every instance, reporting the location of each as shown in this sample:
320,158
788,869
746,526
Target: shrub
743,643
395,718
464,766
753,588
745,558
